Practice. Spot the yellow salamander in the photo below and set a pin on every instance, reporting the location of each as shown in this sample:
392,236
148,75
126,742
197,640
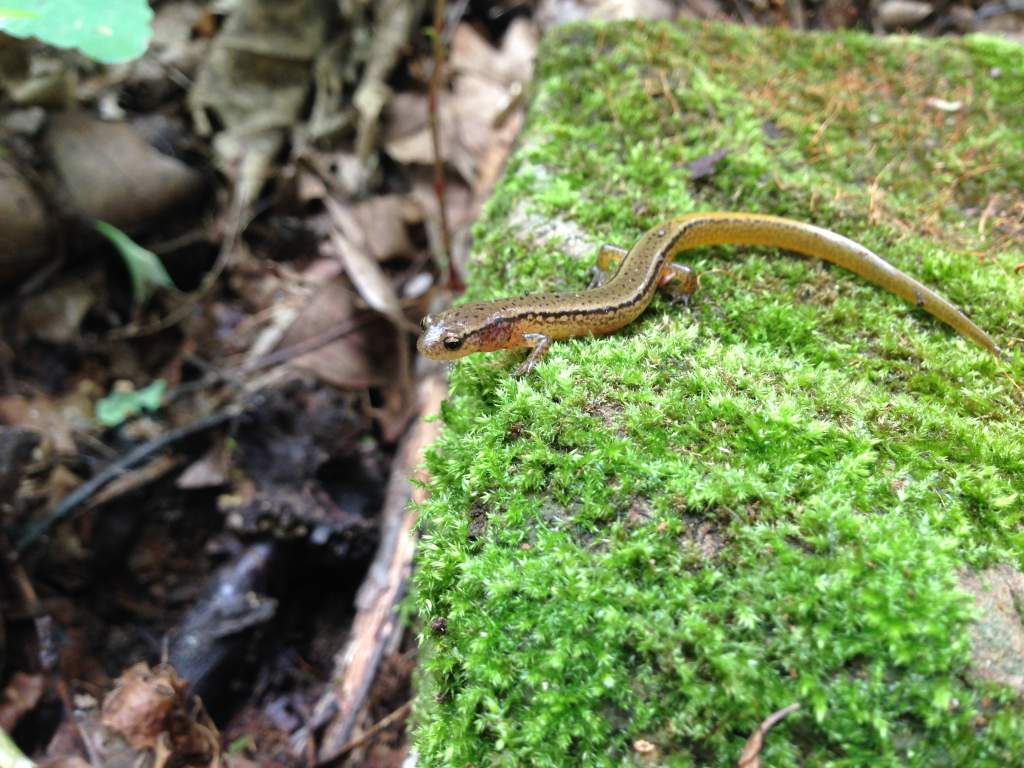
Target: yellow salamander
538,319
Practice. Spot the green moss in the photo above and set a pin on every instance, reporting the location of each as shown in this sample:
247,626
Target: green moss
669,533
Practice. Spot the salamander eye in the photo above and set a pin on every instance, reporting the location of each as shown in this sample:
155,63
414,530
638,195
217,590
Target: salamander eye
452,343
425,322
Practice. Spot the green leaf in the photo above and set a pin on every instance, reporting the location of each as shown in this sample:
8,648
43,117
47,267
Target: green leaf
117,407
145,268
110,31
10,755
15,13
241,744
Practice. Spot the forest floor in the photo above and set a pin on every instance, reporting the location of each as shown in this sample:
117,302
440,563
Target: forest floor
211,409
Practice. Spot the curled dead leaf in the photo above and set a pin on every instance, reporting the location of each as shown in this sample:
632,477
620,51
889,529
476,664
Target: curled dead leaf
112,174
362,269
139,706
383,220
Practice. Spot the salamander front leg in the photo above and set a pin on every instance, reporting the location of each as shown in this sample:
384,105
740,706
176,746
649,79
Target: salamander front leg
679,282
608,259
540,344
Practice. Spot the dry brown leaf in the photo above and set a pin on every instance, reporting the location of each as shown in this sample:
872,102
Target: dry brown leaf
383,222
56,314
394,414
174,43
466,120
23,236
487,83
406,134
894,14
461,207
363,270
140,703
519,51
512,63
322,270
458,199
42,414
416,148
394,22
492,162
363,358
369,280
149,710
111,174
477,102
405,115
470,52
256,81
210,470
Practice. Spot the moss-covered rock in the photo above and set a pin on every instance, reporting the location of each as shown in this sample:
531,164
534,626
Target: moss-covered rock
665,535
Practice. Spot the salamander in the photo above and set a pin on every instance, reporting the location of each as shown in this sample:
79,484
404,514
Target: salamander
536,320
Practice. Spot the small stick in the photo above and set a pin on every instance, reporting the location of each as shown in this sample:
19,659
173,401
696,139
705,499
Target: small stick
751,755
308,345
454,281
31,533
376,728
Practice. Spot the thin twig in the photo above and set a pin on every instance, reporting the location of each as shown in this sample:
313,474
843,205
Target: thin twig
436,77
31,533
213,376
237,225
751,756
184,309
376,728
311,344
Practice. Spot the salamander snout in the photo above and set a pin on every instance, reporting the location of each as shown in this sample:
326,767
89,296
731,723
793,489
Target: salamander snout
442,338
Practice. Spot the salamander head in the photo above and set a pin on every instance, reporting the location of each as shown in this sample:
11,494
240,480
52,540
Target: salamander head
450,334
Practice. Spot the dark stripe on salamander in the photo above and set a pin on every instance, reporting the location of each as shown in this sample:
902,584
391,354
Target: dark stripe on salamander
553,314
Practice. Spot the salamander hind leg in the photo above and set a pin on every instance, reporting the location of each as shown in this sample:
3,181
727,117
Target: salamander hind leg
540,344
608,259
679,282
